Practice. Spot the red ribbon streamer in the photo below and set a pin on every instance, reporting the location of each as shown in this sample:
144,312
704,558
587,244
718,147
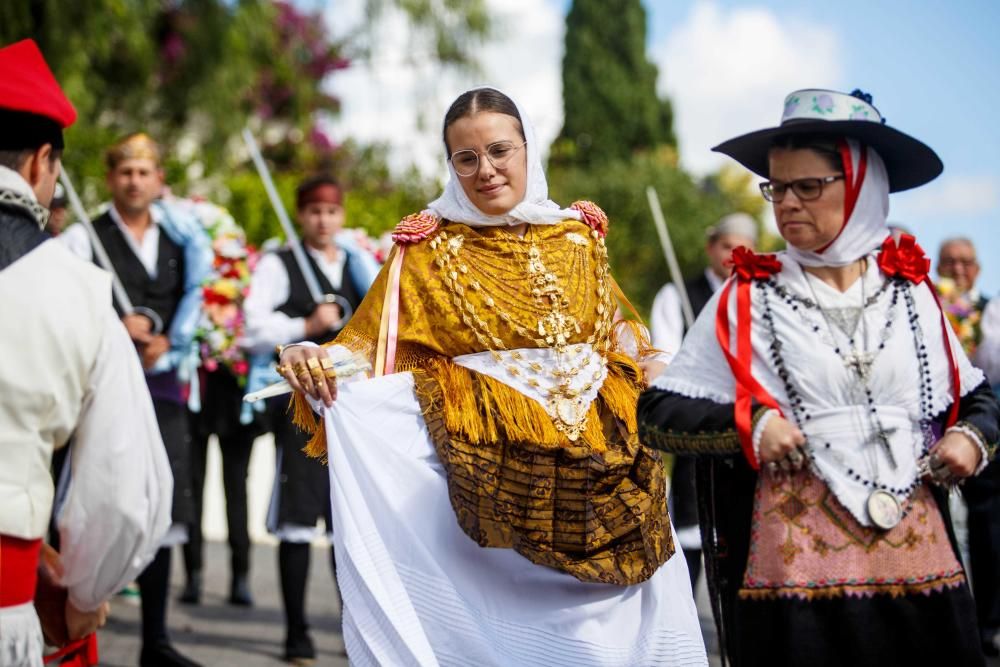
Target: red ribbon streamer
81,653
747,267
852,184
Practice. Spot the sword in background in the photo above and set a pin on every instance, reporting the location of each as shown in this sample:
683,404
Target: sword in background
101,255
312,283
668,251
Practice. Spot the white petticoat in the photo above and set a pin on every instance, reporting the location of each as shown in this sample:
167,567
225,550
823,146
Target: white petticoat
418,591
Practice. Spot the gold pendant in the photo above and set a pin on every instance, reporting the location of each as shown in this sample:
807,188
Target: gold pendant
571,416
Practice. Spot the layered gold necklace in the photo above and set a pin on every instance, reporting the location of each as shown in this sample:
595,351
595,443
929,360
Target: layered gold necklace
466,269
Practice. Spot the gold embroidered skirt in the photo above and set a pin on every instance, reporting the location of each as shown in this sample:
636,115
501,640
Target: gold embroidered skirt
594,508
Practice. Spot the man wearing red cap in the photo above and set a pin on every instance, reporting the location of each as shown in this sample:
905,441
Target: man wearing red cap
69,371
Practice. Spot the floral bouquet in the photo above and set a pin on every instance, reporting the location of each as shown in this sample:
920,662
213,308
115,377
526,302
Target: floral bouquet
962,313
220,330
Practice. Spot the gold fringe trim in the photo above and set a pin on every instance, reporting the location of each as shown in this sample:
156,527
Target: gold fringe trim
852,590
305,419
484,411
621,388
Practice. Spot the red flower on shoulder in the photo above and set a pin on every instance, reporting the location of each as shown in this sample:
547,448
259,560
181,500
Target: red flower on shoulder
415,228
904,259
592,216
748,265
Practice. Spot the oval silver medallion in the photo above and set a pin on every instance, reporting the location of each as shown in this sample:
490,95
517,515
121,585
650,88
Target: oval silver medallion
884,509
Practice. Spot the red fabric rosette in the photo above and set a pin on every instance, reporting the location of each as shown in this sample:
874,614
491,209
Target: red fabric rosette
415,228
593,216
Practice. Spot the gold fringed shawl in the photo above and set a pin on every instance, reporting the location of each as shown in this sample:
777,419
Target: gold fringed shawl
594,507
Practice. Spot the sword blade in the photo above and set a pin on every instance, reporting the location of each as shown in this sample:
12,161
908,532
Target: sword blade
312,283
117,288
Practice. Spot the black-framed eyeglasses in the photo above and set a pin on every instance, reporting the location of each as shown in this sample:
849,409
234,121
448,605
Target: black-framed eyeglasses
806,189
499,153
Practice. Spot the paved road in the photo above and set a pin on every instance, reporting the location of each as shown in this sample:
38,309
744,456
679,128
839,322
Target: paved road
219,635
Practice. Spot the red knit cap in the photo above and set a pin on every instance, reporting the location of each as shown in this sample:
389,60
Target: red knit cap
33,104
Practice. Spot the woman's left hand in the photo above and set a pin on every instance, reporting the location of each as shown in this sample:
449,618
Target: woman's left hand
957,453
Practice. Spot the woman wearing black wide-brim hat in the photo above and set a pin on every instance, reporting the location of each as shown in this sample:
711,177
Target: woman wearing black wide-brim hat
831,406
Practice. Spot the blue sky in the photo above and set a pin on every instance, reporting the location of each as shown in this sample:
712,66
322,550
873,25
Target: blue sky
933,68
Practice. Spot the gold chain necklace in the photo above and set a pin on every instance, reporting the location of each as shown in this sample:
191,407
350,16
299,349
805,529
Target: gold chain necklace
553,329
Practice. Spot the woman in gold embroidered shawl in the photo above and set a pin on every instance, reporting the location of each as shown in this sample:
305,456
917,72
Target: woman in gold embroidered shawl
493,329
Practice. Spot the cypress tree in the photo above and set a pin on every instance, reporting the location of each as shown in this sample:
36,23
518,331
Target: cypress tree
611,109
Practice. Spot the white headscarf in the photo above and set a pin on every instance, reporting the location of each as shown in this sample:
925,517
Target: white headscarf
536,208
866,228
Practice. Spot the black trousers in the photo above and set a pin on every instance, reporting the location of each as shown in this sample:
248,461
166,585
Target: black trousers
174,429
303,483
982,494
235,447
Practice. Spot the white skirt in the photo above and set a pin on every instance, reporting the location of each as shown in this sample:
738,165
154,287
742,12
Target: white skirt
20,637
418,591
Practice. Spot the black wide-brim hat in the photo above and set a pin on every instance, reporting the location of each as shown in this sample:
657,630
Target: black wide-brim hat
908,161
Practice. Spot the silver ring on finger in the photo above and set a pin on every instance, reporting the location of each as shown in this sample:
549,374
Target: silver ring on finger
796,459
772,467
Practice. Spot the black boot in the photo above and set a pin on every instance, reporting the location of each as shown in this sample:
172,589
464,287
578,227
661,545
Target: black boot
293,569
163,654
239,591
299,649
192,589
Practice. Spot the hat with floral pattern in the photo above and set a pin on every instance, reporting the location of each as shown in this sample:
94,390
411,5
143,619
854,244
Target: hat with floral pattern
908,161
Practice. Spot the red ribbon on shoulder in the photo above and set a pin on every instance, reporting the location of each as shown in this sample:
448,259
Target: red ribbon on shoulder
747,267
906,259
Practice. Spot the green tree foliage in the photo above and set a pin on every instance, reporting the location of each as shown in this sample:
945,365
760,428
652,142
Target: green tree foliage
193,73
618,138
637,260
610,104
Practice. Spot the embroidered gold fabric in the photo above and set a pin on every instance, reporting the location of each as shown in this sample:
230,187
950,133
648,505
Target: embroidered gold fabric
601,518
593,506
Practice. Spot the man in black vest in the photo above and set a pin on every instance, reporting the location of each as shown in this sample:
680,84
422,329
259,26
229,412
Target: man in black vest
957,261
281,310
160,260
668,329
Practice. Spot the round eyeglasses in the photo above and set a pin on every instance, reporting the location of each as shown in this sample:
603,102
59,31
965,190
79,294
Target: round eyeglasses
806,189
466,162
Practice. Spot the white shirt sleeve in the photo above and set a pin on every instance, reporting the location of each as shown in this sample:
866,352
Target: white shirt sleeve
76,239
666,320
265,325
987,355
118,502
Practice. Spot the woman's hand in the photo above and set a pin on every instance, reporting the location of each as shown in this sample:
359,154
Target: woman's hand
955,455
81,623
309,370
780,445
651,368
